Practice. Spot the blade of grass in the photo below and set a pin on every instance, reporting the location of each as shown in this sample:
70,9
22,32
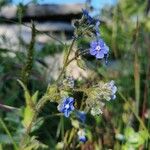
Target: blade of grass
137,81
137,69
8,133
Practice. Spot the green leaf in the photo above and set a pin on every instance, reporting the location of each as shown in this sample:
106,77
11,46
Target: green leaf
34,144
12,117
81,64
135,138
28,115
52,93
38,123
5,139
26,92
127,147
129,132
75,123
35,97
144,134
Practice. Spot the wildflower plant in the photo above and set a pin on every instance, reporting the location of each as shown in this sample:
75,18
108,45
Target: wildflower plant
72,113
63,90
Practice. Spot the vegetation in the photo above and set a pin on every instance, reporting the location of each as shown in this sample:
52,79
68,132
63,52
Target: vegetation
30,118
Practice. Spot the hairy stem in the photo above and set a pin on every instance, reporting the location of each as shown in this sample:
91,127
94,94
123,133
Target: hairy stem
66,60
29,63
38,108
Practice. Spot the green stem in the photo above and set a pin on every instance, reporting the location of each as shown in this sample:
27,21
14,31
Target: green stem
66,60
49,35
62,127
75,57
38,108
137,69
26,72
9,134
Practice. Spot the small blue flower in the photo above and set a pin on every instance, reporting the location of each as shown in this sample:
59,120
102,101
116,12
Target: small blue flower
81,115
82,139
89,19
113,89
106,59
81,136
66,106
99,49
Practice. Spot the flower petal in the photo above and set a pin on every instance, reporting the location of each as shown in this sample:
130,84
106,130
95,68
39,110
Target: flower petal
60,107
93,44
114,89
113,97
100,55
72,107
82,139
70,100
93,51
105,49
100,42
66,113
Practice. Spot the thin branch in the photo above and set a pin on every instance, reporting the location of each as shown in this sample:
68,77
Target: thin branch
49,35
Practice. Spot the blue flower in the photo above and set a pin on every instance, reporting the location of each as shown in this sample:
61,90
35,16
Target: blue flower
81,135
66,106
89,19
99,49
81,115
92,21
106,59
113,89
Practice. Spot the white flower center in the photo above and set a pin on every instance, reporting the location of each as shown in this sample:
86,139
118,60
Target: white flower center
67,106
98,48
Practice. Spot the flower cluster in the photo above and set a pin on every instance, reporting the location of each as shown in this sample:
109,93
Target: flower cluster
98,47
68,82
96,108
96,95
106,91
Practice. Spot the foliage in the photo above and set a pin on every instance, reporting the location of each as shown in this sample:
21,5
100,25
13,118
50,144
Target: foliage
69,113
4,2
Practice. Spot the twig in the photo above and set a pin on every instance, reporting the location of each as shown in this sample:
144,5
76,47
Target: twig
8,108
35,30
